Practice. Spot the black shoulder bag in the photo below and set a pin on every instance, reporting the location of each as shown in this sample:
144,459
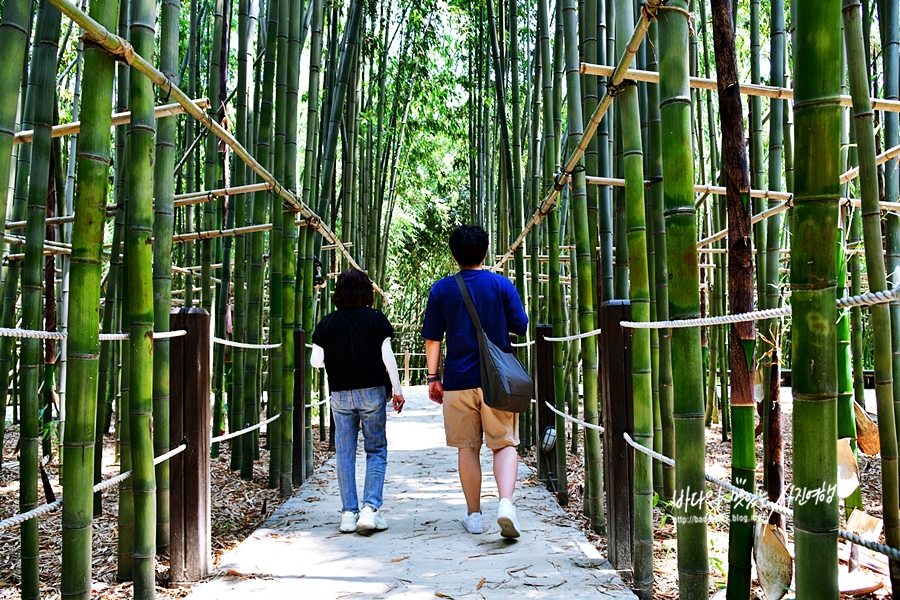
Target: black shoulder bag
505,383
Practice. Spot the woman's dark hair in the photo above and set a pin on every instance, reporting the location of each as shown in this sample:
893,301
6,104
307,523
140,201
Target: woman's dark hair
353,290
469,244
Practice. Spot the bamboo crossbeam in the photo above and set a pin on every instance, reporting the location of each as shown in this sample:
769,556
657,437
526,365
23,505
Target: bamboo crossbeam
698,189
748,89
879,160
122,118
648,12
208,235
119,47
202,196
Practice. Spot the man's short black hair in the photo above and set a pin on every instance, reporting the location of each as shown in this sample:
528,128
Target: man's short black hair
469,244
353,290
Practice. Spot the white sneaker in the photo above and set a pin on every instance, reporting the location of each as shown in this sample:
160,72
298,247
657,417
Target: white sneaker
474,523
506,519
370,520
348,521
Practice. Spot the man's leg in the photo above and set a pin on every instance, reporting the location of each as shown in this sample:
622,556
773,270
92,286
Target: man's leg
470,477
506,466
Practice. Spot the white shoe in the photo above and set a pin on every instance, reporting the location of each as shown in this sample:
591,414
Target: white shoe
370,520
506,519
348,521
474,523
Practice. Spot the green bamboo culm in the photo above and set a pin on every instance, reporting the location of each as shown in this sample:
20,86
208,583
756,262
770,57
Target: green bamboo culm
84,314
276,361
139,279
163,229
740,285
553,241
863,116
43,80
661,271
684,298
639,295
816,43
14,28
584,251
293,14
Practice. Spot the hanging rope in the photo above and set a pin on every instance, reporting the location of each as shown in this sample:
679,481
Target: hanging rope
523,344
577,336
61,335
234,434
868,299
573,419
317,403
762,501
10,465
48,508
243,345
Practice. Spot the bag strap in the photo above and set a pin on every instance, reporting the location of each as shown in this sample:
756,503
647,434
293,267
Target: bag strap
467,299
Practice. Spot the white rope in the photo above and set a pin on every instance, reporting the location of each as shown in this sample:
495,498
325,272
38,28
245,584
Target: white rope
868,299
573,419
48,508
166,335
317,403
234,434
765,502
577,336
10,465
309,346
114,337
243,345
32,333
523,344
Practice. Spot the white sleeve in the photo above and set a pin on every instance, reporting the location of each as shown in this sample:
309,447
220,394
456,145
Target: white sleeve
318,357
387,355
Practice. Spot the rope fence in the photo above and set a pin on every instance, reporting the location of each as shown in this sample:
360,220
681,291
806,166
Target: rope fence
48,508
234,344
315,404
522,345
234,434
61,335
762,501
577,336
868,299
573,419
10,465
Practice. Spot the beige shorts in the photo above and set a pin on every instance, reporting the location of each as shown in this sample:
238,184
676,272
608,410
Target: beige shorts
467,419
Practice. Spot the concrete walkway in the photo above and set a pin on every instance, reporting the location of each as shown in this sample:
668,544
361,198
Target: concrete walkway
426,552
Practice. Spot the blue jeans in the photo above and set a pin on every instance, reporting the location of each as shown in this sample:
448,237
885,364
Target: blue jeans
351,409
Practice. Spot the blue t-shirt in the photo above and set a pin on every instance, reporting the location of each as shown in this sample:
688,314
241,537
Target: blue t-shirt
499,308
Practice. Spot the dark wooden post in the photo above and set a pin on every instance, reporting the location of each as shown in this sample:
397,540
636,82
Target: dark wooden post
544,417
618,418
189,420
299,473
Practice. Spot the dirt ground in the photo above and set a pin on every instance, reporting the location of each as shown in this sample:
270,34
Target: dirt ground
238,508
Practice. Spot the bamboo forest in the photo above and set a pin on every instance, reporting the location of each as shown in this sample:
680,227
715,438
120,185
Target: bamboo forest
663,182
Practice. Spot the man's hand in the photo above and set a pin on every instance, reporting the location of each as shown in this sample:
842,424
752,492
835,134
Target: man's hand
436,392
399,401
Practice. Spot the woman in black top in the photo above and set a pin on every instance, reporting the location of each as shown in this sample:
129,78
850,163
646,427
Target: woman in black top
354,345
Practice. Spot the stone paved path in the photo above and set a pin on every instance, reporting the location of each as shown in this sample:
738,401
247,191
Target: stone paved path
426,552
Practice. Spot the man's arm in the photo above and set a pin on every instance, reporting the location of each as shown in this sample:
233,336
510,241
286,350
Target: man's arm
433,359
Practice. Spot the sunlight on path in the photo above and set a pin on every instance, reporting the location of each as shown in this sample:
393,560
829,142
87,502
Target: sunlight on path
426,553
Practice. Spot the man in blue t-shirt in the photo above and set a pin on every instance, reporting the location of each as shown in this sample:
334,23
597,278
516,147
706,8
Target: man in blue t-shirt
467,420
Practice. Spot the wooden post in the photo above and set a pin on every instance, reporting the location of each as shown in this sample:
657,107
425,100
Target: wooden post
618,418
189,420
406,367
544,417
300,400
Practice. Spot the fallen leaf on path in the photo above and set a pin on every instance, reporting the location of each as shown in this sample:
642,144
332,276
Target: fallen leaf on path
480,583
440,595
401,559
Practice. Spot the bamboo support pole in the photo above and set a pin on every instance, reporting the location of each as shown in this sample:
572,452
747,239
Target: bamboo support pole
565,172
117,46
120,118
748,89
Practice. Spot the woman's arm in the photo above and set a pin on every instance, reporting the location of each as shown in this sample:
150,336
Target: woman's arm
318,357
390,363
